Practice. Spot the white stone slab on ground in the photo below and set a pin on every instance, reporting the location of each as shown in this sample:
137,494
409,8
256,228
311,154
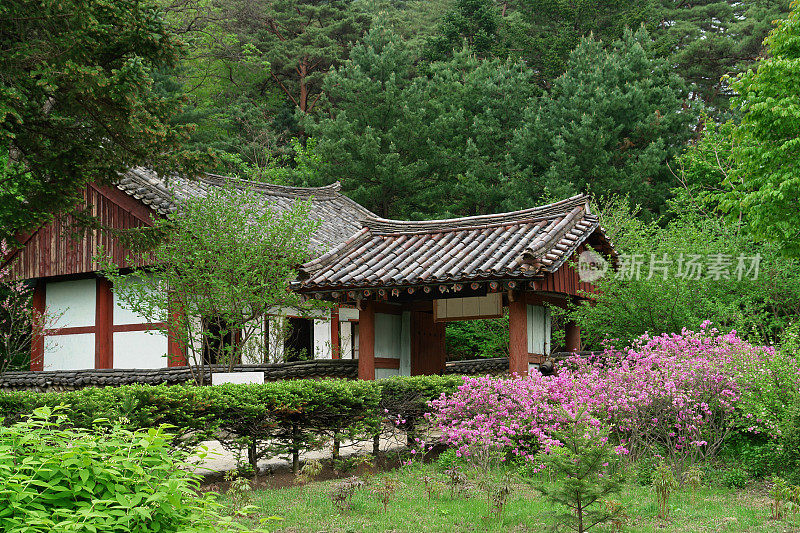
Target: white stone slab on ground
220,460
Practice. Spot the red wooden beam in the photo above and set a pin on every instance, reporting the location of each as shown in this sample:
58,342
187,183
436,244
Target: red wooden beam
130,204
145,326
38,302
176,339
73,330
518,337
104,321
366,341
387,362
335,339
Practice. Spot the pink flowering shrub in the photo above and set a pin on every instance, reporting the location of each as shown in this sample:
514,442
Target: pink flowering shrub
20,324
676,393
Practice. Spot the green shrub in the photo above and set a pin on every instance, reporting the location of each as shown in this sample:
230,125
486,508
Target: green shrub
57,478
448,459
735,478
277,418
644,471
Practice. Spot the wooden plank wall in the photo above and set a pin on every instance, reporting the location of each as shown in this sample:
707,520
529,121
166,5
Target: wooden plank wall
61,247
566,280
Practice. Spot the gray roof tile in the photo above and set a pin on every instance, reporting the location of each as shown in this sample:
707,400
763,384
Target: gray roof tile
340,216
519,244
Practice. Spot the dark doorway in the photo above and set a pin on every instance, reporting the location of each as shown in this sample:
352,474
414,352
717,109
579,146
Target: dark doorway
217,341
299,344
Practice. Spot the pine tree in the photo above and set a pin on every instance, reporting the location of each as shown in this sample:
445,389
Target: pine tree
303,39
612,123
368,140
420,145
708,39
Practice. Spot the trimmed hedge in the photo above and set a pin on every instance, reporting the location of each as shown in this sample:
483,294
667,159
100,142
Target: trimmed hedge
284,417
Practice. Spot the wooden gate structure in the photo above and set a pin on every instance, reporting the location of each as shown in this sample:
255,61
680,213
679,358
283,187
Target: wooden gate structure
408,278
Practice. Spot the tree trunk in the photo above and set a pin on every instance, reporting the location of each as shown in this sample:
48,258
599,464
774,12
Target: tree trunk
295,449
303,101
336,444
251,455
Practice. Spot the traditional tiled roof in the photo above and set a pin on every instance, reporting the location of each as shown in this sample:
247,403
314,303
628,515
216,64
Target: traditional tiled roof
340,216
520,244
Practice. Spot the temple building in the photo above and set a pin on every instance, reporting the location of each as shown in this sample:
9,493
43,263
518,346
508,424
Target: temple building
395,284
93,327
408,279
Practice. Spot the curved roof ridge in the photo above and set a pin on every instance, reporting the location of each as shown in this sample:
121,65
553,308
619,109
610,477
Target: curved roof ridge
382,226
340,216
272,188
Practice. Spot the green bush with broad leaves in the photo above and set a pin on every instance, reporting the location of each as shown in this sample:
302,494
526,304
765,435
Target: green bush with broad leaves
57,478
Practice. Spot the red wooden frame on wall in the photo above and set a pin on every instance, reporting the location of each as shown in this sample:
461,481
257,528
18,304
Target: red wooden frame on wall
103,330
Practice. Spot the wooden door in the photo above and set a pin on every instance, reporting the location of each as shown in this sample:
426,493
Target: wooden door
427,344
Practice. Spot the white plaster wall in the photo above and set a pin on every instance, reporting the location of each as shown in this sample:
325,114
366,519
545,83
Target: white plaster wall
196,349
387,335
346,338
383,373
254,349
220,378
123,314
72,303
140,349
322,339
277,335
348,313
69,352
393,340
539,329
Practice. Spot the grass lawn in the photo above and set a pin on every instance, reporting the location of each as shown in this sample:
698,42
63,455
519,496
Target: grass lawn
309,508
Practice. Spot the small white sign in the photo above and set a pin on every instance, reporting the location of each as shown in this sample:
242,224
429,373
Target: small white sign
219,378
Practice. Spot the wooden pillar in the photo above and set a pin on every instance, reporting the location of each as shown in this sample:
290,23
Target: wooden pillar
176,339
336,349
573,337
366,341
518,336
38,301
103,322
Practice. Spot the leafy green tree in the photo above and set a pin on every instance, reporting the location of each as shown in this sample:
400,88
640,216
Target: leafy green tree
225,258
676,284
77,100
612,123
475,21
709,39
232,100
368,140
765,182
414,21
474,107
469,339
